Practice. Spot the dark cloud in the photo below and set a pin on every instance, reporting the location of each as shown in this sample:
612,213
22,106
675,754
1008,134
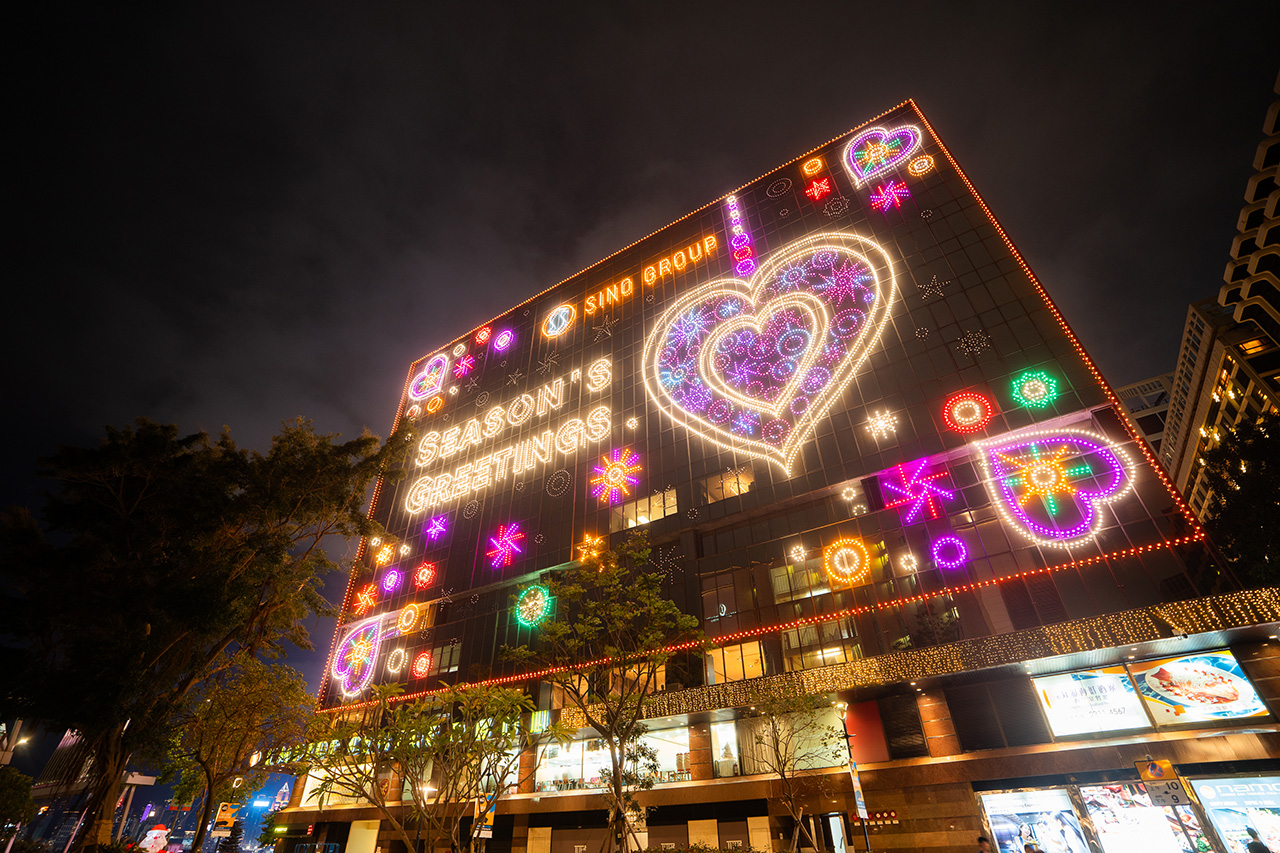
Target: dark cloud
240,213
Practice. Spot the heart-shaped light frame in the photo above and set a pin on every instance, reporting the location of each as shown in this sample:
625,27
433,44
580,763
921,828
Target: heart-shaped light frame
756,305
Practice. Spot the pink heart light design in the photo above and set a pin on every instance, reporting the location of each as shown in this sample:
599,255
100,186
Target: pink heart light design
752,365
877,151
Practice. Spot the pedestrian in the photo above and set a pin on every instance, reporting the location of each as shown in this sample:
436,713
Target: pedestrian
1255,845
984,844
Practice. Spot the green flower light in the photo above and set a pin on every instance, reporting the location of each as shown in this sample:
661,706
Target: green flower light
534,606
1035,389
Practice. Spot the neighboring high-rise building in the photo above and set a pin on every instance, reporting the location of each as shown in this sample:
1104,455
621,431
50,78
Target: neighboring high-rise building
1148,405
1229,362
876,463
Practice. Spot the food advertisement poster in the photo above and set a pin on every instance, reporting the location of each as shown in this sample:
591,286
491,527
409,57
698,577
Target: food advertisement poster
1196,688
1094,700
1125,820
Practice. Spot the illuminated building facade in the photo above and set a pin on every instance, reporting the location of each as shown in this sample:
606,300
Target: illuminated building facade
873,458
1229,362
1147,403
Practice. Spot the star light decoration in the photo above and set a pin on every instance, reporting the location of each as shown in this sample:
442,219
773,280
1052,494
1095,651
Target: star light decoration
436,527
918,489
590,547
615,473
819,189
604,330
882,424
889,195
506,545
932,288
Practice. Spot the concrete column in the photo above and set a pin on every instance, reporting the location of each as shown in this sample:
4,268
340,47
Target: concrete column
935,718
758,834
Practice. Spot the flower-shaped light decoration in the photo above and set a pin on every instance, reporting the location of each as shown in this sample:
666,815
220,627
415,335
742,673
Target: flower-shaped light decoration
615,474
1051,484
534,606
357,651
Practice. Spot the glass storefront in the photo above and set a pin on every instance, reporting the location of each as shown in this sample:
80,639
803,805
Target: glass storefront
1237,804
1046,818
584,764
1124,820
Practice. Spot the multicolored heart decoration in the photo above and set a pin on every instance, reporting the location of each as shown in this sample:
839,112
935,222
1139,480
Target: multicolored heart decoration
877,151
752,365
1051,484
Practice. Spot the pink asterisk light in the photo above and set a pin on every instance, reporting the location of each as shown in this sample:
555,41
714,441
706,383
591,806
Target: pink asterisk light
505,545
891,194
919,490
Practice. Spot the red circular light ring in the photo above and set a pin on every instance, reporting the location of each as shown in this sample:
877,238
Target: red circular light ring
967,412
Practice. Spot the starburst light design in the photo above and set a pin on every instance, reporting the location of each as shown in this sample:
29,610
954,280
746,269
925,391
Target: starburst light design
463,366
1045,476
615,473
590,547
917,489
505,545
366,598
889,195
882,424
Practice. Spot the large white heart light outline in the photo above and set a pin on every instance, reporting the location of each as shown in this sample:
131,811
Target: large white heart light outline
751,291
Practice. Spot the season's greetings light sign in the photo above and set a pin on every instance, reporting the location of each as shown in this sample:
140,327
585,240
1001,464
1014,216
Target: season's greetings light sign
562,438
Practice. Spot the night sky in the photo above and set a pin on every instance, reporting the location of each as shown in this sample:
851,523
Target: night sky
238,214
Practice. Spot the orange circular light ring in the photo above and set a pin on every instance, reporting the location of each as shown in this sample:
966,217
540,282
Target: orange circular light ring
559,321
847,561
967,412
434,404
408,618
812,167
920,165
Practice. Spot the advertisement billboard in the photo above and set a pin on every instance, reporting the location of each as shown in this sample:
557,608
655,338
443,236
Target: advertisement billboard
1090,701
1196,688
1125,820
1044,817
1237,804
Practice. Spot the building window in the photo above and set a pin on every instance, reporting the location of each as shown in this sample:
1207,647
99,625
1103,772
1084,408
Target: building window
812,646
1250,347
734,663
444,659
792,583
727,484
642,511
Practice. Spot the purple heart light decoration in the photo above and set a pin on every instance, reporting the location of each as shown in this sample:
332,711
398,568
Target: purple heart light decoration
877,151
1051,484
752,365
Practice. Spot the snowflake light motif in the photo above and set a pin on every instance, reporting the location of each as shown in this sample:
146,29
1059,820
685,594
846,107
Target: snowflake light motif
463,366
847,282
1035,389
505,545
425,575
548,362
917,488
1043,476
384,556
973,343
746,422
798,553
690,327
615,474
882,424
889,195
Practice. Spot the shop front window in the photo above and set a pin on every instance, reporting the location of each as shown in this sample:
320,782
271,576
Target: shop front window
734,663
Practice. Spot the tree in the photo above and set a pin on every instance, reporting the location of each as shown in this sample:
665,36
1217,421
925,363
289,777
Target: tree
165,559
1243,472
795,736
451,754
608,643
16,805
251,707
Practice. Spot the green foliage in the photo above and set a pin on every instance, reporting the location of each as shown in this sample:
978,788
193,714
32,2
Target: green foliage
267,836
436,755
16,805
231,844
251,707
166,557
1243,471
607,646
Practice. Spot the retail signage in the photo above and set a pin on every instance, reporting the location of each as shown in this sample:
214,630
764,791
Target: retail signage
1044,817
1196,688
1237,804
1162,783
1094,700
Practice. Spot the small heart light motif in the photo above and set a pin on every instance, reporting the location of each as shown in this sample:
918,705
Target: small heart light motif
877,151
1051,484
752,365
